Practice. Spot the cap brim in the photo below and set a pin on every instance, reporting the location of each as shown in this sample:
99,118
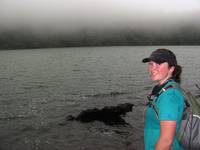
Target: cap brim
145,60
156,60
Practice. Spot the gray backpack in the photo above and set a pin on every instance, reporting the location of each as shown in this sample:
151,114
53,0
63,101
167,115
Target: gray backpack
189,132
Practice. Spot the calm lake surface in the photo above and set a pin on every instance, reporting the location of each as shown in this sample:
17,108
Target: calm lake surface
40,87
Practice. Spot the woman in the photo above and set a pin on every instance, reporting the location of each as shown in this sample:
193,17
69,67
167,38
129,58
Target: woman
166,103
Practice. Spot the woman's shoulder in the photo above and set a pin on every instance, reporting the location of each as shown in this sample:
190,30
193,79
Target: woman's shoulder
173,88
173,92
172,95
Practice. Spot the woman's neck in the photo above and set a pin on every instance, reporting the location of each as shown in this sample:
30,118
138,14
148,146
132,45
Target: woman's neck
164,81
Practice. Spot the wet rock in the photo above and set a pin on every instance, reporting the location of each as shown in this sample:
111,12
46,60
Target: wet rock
110,115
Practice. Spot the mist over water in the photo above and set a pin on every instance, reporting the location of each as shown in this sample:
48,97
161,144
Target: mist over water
29,24
72,15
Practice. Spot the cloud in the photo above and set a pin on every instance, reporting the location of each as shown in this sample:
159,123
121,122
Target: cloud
74,14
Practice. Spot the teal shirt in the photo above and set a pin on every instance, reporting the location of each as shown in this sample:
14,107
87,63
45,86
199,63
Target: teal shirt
170,105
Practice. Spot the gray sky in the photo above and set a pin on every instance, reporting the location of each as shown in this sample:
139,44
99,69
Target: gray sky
73,14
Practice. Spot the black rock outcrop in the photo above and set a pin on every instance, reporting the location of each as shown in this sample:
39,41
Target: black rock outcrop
110,115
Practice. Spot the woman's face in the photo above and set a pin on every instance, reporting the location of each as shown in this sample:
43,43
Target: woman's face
160,72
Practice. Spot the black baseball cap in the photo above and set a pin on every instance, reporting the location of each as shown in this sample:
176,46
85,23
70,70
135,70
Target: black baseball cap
160,56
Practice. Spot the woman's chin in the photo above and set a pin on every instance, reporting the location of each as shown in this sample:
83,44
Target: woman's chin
154,78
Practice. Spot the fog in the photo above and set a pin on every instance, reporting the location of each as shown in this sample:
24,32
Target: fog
71,15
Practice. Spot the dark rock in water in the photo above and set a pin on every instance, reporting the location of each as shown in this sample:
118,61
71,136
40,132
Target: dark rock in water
70,117
110,115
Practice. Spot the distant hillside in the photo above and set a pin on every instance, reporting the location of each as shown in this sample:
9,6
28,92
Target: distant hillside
25,39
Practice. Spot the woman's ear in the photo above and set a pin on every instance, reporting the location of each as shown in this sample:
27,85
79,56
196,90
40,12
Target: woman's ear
171,70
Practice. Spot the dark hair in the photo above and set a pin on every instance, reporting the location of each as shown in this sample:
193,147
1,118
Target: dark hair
176,75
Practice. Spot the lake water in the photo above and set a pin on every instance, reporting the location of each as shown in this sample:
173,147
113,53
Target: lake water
40,87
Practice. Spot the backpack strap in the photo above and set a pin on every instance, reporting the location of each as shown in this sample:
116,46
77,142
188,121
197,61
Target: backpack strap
153,104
